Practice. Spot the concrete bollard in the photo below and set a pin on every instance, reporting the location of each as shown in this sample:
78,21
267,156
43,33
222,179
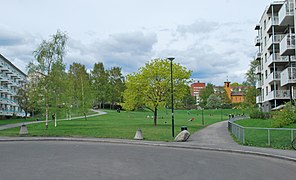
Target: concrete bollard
23,130
138,135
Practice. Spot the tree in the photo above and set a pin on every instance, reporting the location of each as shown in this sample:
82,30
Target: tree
251,77
116,85
205,94
213,102
80,81
23,99
99,81
48,54
250,94
150,86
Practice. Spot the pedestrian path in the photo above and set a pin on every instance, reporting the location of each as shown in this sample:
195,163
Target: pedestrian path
8,126
218,136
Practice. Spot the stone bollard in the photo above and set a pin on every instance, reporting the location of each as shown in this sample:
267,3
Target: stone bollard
182,136
23,130
138,135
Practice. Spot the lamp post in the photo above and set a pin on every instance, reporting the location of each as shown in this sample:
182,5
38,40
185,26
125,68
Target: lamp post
172,94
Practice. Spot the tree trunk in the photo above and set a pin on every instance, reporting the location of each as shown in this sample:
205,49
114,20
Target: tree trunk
155,116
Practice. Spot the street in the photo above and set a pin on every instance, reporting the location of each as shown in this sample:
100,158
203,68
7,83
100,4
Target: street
85,160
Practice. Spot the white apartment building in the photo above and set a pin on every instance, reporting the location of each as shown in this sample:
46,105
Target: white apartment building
11,80
276,53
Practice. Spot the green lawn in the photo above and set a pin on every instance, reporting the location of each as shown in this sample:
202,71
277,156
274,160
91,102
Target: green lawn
125,124
254,137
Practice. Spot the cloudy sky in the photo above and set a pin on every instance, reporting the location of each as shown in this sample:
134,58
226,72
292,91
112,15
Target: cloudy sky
214,39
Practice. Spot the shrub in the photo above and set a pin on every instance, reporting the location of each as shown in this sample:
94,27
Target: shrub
257,114
285,116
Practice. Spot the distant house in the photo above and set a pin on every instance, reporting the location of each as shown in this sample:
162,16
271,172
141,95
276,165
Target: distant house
236,93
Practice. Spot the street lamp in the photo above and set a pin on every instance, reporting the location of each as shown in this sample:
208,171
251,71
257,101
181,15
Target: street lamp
172,93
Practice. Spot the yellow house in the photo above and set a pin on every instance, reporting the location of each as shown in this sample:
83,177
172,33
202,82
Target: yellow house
235,97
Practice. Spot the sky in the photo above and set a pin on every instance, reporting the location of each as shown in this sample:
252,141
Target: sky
214,39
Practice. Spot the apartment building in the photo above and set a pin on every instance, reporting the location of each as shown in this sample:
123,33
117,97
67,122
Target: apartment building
11,80
276,54
196,88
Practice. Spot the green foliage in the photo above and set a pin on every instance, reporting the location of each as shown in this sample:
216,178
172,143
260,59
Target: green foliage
150,86
99,79
284,117
250,97
213,102
250,74
256,114
80,84
205,94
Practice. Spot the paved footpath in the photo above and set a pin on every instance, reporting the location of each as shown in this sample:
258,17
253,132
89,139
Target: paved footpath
8,126
217,136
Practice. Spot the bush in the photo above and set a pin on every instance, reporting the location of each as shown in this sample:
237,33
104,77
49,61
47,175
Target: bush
285,116
257,114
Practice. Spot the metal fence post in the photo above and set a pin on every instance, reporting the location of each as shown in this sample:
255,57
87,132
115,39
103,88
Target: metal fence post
292,135
243,135
268,134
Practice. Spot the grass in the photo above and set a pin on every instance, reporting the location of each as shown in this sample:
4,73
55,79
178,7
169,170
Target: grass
255,137
125,124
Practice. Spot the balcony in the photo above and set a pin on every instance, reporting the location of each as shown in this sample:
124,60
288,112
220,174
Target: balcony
287,45
259,84
274,76
278,94
258,70
286,13
257,41
259,99
276,58
4,89
4,100
274,21
288,76
276,39
258,55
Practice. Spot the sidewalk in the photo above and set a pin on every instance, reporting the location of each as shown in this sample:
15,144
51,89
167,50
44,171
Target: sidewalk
8,126
217,136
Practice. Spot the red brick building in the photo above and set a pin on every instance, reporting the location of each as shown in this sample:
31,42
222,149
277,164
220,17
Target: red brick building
196,89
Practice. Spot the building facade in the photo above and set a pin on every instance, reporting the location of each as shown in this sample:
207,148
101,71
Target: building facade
235,94
276,55
11,80
196,88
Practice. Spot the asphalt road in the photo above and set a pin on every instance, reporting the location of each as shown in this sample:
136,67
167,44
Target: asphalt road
85,160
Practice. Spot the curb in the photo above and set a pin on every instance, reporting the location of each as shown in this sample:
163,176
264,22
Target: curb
149,143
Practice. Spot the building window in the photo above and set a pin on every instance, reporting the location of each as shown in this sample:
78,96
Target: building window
265,41
264,25
265,57
265,74
266,90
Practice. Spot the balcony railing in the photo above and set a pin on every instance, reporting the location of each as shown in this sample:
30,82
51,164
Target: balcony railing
287,45
274,58
274,76
275,39
286,13
257,41
259,99
279,94
288,76
259,84
258,70
272,22
258,55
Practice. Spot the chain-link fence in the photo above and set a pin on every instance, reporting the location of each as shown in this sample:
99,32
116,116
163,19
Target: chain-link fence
276,137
